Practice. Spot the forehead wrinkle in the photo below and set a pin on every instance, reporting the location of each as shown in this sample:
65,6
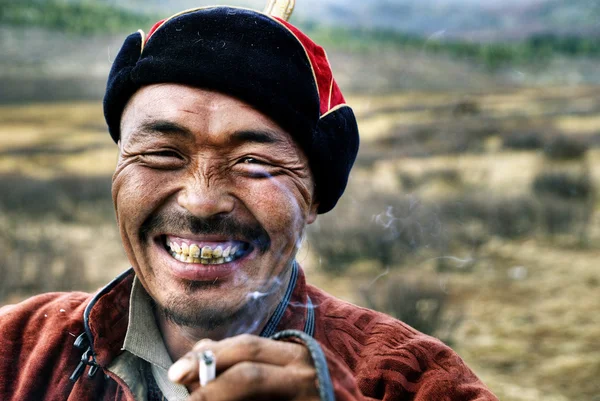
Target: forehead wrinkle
256,135
151,129
208,118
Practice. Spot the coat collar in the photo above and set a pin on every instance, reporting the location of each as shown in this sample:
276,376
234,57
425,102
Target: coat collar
106,316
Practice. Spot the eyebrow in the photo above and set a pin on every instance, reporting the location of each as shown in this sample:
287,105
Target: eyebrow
153,128
256,136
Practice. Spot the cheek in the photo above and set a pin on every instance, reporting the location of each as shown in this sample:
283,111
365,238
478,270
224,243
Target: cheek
277,204
135,193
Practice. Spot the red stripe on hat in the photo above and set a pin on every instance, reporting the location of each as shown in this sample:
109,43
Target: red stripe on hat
336,96
329,92
153,29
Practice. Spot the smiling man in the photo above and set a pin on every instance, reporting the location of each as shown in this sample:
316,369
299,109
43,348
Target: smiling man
226,194
233,136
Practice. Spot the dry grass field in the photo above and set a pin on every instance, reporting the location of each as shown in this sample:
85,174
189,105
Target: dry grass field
472,216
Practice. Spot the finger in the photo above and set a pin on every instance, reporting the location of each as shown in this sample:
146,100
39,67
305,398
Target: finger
185,370
249,380
234,350
251,348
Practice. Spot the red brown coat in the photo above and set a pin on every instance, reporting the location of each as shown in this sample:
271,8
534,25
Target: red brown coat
371,356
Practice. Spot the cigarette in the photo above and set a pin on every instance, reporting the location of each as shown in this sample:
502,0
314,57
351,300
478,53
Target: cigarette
207,367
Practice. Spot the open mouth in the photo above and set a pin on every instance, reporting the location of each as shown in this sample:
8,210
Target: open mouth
206,252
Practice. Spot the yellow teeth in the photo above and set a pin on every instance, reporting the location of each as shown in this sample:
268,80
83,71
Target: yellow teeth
194,250
206,252
218,252
192,253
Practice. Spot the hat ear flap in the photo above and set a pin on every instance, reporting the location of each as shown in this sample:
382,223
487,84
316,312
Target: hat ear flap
120,79
335,147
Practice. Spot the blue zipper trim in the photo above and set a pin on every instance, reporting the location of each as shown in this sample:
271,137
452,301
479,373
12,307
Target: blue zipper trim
309,326
273,322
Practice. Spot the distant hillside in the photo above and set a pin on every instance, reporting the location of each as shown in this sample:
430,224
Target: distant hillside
80,17
480,21
102,17
63,49
474,20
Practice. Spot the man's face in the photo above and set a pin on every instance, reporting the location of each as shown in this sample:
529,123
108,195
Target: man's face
212,198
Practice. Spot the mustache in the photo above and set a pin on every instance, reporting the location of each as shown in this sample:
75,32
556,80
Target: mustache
226,226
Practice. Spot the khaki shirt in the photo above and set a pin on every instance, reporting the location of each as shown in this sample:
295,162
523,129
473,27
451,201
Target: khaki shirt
144,349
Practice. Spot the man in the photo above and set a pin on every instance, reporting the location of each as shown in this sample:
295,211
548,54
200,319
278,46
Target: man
232,137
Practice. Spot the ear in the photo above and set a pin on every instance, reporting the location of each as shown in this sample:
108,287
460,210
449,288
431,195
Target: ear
313,213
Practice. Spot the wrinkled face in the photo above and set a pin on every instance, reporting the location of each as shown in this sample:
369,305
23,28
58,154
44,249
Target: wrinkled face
212,198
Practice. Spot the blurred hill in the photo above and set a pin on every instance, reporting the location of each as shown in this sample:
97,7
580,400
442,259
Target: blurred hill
485,20
63,49
477,20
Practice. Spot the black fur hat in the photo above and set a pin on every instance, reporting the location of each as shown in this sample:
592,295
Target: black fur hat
264,61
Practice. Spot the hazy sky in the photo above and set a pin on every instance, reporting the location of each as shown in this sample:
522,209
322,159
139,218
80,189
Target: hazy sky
351,4
470,19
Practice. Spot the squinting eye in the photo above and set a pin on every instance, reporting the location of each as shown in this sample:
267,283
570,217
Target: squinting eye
162,159
251,160
255,168
166,153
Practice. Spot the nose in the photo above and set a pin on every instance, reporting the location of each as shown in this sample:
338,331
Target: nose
204,200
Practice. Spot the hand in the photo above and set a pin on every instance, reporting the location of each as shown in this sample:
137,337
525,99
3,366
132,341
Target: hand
250,368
